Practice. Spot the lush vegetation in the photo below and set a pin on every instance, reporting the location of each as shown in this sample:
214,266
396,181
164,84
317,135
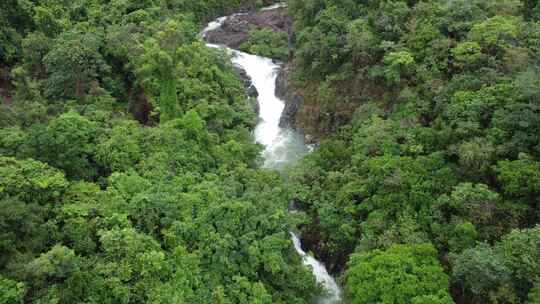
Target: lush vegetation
128,172
412,272
267,43
435,180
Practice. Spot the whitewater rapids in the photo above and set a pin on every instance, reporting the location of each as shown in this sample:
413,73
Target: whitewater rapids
282,146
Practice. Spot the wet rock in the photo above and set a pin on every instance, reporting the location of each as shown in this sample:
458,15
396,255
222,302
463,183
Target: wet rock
310,116
250,89
292,98
235,30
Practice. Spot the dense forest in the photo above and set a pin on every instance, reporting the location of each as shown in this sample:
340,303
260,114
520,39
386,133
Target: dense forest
129,172
431,193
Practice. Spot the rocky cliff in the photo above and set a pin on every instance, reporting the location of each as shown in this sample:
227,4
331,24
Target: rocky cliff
235,30
250,89
303,111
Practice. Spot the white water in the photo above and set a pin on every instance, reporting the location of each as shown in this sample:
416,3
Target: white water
214,25
282,146
320,272
272,7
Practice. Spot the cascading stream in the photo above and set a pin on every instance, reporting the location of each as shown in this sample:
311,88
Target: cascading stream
282,146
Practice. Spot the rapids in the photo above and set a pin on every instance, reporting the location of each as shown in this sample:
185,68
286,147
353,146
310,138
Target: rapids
282,146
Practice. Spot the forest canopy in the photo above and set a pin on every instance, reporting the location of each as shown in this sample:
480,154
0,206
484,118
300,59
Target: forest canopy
128,169
441,156
129,172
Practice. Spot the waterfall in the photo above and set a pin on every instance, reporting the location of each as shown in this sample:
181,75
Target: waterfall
282,146
320,272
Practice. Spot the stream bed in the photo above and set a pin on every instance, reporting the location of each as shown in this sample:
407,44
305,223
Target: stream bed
283,146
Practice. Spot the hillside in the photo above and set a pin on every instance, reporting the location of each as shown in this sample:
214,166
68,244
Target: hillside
132,168
128,168
428,167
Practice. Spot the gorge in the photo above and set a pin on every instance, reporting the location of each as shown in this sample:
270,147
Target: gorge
283,146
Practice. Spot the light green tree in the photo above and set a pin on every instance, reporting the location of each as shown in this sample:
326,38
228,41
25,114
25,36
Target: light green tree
399,274
160,64
11,292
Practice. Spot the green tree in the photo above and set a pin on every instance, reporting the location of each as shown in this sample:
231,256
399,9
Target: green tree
515,129
30,180
69,142
397,66
468,55
521,252
51,19
476,203
121,149
481,270
519,178
35,46
11,292
321,48
75,65
400,274
13,142
267,43
495,33
57,264
160,64
15,19
476,157
361,41
534,294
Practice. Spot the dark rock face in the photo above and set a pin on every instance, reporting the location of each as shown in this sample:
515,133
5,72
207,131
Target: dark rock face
293,100
315,242
251,90
5,86
140,107
235,30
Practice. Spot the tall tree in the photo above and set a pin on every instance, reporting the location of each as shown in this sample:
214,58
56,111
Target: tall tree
160,64
75,65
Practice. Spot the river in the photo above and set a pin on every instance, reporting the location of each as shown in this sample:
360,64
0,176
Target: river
283,147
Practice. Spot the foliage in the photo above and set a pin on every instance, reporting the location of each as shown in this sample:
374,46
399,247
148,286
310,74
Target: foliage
481,270
74,65
267,43
506,271
160,63
520,250
129,174
400,274
396,64
101,204
442,147
534,295
11,291
68,143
